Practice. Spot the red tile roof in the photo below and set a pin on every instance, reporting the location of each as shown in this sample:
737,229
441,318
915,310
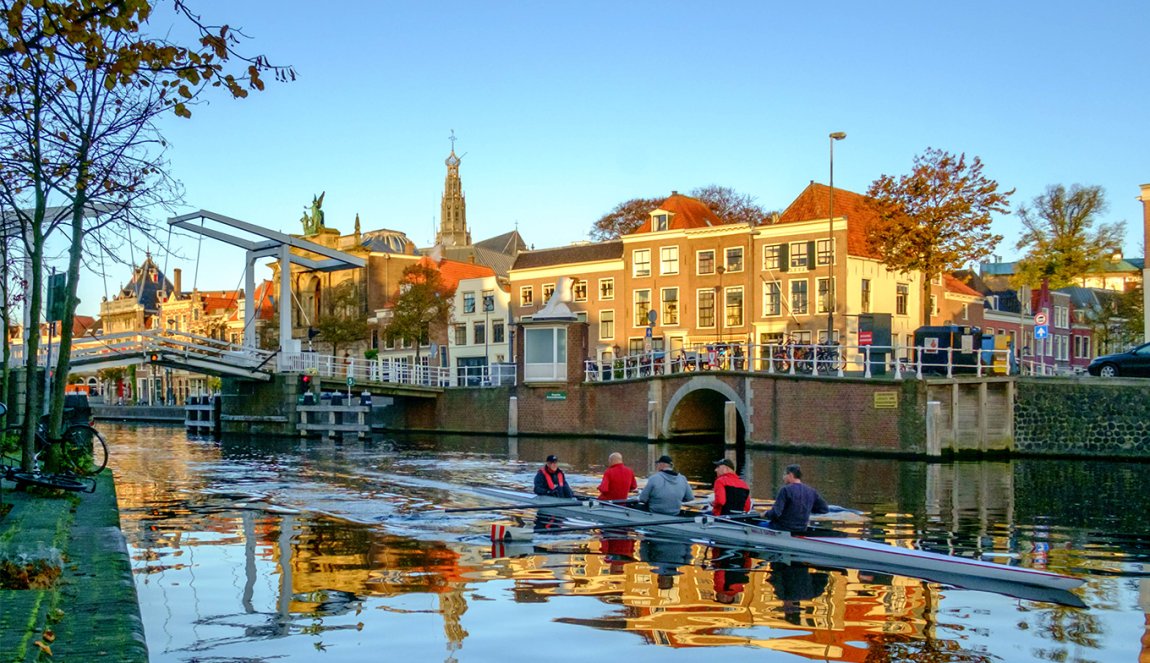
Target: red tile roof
454,271
954,284
814,202
82,324
686,212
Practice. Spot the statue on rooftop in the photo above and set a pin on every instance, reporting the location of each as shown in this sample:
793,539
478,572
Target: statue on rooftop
313,220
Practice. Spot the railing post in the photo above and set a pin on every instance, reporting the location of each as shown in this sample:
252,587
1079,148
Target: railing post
866,358
791,357
771,359
950,362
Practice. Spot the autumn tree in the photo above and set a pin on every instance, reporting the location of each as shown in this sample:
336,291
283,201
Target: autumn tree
81,84
1059,237
937,218
1116,319
424,302
727,204
343,321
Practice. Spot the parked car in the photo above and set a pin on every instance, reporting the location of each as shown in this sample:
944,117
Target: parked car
1132,363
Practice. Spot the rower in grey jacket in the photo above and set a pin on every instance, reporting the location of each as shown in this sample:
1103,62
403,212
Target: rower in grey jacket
666,489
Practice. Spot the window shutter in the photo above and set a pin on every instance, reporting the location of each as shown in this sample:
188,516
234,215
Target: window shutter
784,258
812,257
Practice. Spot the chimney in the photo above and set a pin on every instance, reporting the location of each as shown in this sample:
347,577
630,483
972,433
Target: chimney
176,283
674,193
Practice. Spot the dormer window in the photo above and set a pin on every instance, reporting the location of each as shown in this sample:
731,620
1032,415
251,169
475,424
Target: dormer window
660,222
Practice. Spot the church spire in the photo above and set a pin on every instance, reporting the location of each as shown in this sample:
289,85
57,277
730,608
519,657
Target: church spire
453,211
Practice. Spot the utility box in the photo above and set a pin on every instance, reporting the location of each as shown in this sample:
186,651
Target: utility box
998,355
958,346
874,331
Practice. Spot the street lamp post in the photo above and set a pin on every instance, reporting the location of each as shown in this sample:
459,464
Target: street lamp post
837,135
488,304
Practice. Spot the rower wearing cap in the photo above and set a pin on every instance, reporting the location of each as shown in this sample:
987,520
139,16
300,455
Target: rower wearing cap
549,480
731,492
666,489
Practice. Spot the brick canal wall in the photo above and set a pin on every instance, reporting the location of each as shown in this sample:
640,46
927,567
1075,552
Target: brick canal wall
839,414
1083,417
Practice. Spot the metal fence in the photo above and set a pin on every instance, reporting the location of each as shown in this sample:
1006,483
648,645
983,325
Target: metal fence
815,360
397,371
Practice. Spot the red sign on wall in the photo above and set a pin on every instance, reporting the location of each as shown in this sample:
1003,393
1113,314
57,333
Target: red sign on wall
866,337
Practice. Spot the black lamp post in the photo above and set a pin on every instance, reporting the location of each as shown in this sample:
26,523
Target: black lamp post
838,135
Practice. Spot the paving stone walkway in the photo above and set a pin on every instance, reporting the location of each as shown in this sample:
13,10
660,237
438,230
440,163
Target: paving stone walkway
92,607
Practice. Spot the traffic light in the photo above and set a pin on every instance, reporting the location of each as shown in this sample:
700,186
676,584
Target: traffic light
304,383
154,357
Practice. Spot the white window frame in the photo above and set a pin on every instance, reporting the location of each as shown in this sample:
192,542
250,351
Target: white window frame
607,319
792,255
664,318
527,295
777,257
742,307
668,263
805,309
699,308
639,319
823,305
699,262
636,270
580,286
610,281
820,253
768,288
727,259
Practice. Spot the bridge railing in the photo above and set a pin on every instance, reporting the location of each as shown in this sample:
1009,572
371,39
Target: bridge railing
493,375
815,360
379,370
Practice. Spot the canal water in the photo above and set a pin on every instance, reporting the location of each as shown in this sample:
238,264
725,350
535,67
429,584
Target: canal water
286,550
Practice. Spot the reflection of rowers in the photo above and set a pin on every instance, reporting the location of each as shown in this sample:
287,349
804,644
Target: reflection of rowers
795,583
665,558
731,574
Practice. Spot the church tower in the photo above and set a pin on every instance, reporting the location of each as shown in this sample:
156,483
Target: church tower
453,211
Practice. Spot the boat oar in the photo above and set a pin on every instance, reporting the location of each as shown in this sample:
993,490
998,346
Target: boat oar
500,507
586,528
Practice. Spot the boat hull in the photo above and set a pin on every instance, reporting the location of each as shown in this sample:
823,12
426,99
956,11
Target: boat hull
1031,584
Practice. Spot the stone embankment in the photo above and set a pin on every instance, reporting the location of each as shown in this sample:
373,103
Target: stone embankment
66,586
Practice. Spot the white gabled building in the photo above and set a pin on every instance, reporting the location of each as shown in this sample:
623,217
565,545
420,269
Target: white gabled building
479,338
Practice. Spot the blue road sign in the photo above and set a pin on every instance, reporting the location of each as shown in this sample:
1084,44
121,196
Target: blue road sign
1041,331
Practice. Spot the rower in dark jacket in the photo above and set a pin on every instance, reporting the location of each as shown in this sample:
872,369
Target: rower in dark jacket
549,480
795,503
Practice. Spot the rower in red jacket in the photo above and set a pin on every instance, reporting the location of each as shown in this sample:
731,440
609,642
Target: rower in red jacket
731,493
618,481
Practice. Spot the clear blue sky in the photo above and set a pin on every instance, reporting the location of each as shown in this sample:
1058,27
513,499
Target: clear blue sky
565,109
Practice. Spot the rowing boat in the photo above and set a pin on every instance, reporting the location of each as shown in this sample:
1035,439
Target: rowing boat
836,551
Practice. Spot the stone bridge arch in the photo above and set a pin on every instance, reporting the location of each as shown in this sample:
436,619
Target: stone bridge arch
699,404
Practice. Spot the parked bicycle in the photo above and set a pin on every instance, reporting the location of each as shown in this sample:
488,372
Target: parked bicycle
81,453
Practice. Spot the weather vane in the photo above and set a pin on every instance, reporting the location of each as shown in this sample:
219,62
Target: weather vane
453,139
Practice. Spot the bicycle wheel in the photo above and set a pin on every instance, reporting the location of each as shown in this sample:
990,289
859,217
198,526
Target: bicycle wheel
84,450
57,481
